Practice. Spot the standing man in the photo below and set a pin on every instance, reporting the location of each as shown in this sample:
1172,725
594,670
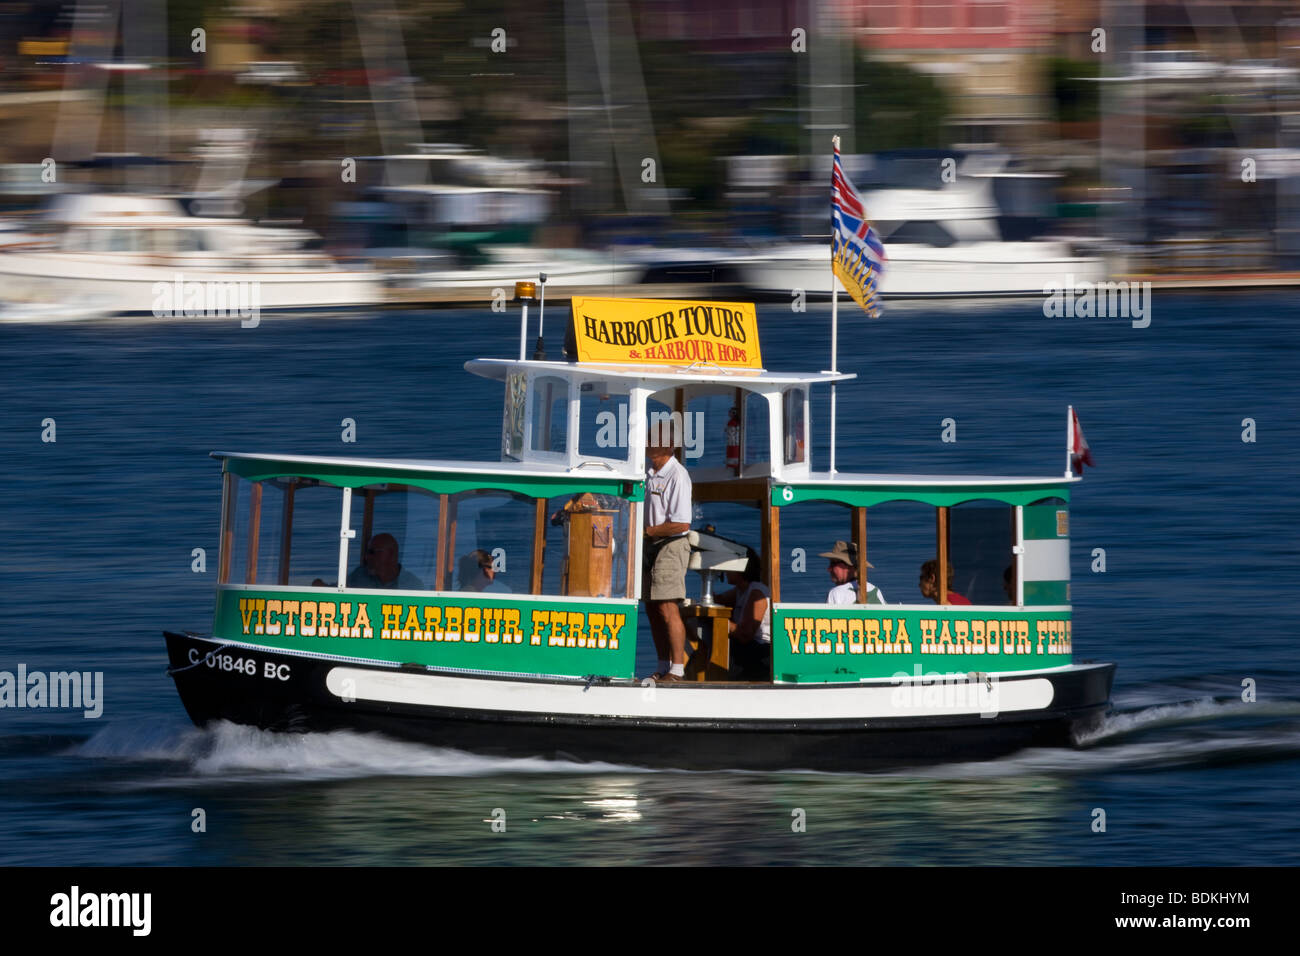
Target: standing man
666,551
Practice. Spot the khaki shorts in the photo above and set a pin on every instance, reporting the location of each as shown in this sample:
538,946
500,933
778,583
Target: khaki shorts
667,579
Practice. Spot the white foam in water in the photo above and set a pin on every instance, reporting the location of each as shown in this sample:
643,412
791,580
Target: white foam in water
1145,755
235,752
1127,722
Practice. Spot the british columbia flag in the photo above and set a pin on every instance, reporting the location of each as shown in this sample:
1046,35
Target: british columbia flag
857,254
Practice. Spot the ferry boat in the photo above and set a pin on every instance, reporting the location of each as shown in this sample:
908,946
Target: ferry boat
369,594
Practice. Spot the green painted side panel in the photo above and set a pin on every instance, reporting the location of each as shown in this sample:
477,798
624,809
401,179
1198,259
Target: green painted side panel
838,643
1047,521
1047,592
547,486
479,632
936,495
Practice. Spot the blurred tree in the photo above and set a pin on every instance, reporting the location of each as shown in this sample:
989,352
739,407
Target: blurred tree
1073,88
897,107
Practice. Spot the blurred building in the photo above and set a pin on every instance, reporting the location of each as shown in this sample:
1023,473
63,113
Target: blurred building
984,52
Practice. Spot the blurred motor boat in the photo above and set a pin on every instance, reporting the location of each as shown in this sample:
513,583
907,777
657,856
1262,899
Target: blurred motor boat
941,240
124,250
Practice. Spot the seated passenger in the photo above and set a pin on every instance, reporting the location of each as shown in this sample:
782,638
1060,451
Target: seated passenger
750,626
477,573
381,569
843,570
930,584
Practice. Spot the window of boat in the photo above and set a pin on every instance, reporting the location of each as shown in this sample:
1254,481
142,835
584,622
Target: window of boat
123,240
924,233
900,537
734,521
396,543
603,420
809,529
489,529
707,424
586,546
550,418
512,424
793,403
711,433
95,239
282,531
189,240
980,538
755,430
76,240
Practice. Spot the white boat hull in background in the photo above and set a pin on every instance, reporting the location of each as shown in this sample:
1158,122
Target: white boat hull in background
920,271
130,288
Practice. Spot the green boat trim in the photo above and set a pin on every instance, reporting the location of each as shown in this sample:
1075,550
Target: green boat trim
440,477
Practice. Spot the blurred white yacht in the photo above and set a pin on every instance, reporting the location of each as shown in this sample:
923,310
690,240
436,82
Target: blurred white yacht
116,250
942,241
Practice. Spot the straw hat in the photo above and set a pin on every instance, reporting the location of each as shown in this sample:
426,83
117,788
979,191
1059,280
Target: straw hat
844,551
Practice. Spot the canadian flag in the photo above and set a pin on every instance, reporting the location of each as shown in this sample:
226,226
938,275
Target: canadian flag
1080,455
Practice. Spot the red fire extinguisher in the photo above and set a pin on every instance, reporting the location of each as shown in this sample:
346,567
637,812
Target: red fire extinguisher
733,440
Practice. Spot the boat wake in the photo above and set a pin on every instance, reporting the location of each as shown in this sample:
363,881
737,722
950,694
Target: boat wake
1193,732
1198,732
233,753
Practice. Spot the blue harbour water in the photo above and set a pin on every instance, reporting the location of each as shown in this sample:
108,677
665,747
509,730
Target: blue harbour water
1199,594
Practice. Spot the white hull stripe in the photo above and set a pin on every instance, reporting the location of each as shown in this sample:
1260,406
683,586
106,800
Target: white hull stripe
692,702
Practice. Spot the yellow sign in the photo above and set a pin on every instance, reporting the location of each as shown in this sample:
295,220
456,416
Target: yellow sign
666,332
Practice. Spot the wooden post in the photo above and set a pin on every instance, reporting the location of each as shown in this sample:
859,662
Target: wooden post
941,532
635,527
286,532
254,531
227,526
440,572
860,542
539,545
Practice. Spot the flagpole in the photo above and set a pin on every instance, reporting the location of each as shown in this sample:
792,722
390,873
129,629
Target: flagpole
835,329
1069,438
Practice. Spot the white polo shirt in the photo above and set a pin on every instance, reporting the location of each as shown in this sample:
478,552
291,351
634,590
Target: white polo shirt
847,593
667,494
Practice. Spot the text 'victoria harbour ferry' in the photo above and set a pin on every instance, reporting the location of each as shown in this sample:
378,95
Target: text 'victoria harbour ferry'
369,594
